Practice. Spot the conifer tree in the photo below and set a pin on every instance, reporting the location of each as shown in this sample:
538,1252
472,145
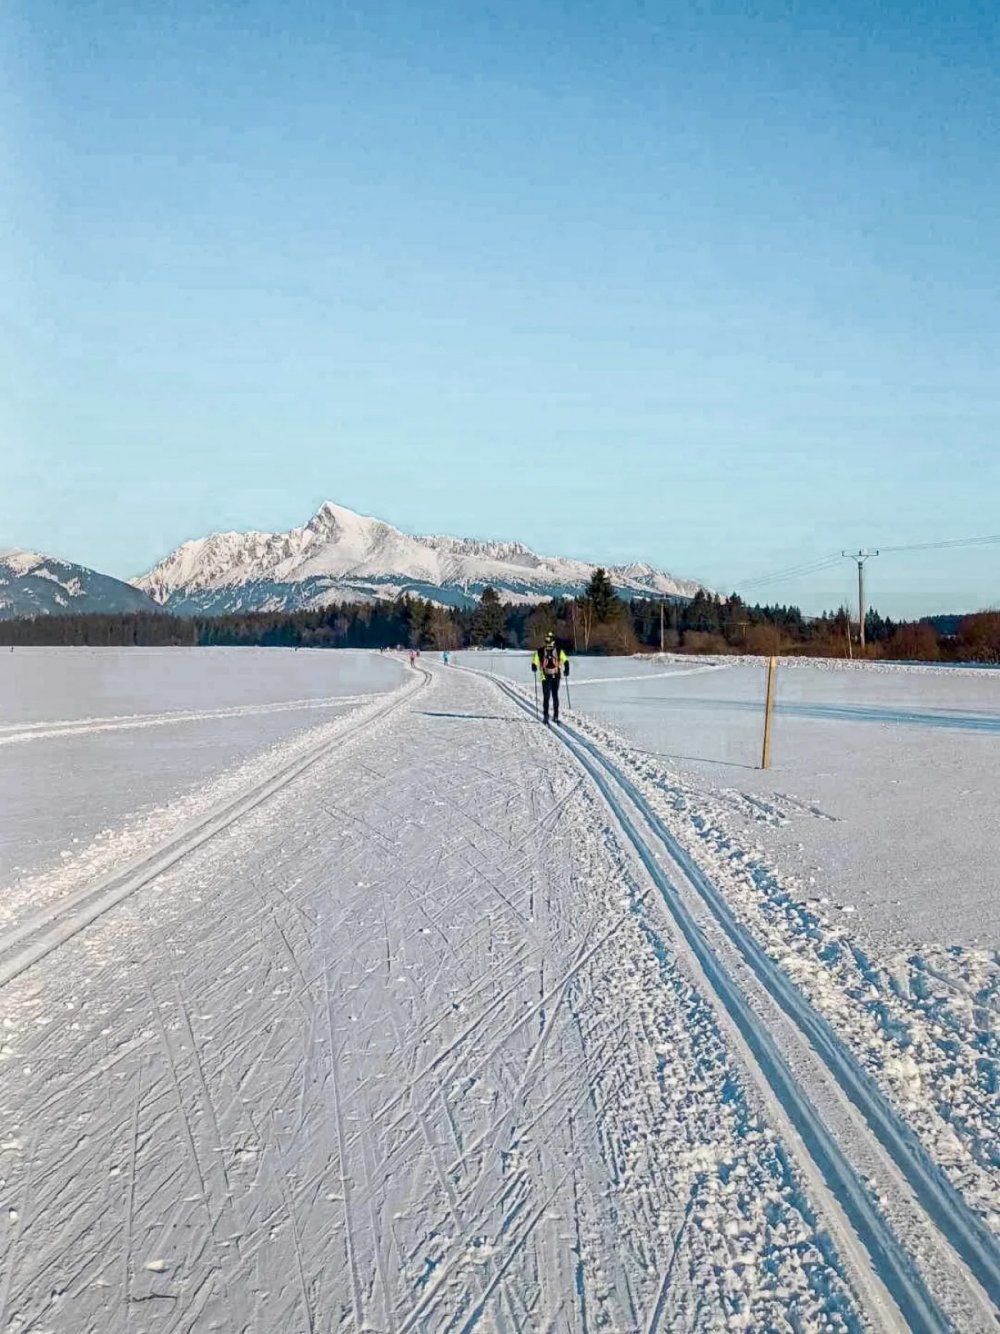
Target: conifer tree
489,626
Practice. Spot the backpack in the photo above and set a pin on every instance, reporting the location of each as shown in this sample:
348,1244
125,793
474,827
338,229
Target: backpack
550,660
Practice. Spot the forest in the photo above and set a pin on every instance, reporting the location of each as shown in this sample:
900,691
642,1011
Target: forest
598,622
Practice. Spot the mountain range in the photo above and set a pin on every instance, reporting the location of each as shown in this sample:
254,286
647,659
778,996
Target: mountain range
338,556
342,556
35,585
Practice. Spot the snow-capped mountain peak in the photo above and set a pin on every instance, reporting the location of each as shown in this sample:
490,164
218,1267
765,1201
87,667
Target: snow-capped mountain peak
339,555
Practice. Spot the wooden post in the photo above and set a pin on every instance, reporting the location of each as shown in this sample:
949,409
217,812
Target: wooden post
661,626
772,671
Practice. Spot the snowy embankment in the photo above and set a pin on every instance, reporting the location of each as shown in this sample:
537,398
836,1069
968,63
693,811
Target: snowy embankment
879,666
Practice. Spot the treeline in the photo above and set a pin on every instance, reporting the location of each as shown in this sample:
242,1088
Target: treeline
730,626
598,622
99,630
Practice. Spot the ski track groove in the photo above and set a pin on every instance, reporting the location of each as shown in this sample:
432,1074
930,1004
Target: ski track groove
20,733
207,1103
661,1297
345,1177
279,1175
377,1233
187,1134
11,1258
130,1202
512,1253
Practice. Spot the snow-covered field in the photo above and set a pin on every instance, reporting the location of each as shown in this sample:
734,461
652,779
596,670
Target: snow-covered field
92,737
882,791
428,1018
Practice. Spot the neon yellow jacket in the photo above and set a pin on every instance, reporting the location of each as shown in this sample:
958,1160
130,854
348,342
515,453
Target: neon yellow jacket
561,658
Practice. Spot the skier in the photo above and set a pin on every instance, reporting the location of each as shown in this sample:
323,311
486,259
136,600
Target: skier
553,663
413,657
446,657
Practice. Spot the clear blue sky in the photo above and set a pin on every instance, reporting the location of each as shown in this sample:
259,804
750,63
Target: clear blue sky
715,285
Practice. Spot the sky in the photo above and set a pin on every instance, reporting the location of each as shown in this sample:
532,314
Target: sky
714,285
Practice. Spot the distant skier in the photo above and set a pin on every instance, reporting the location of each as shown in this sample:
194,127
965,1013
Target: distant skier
446,657
413,657
553,664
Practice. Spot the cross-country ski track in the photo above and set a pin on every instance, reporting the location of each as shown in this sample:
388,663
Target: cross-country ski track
436,1026
20,733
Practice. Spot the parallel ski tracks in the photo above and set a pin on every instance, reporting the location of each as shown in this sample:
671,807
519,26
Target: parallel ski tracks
19,733
962,1230
43,931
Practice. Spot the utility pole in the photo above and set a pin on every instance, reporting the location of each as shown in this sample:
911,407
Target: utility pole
772,670
661,626
860,557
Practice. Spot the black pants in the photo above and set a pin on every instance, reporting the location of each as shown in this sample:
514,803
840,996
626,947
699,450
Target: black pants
550,689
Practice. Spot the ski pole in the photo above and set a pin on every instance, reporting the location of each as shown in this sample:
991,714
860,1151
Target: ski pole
536,695
569,698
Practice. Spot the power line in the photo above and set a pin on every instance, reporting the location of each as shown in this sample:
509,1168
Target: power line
954,542
793,571
827,562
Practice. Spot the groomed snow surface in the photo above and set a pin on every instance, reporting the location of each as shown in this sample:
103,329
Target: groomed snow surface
99,741
402,1012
